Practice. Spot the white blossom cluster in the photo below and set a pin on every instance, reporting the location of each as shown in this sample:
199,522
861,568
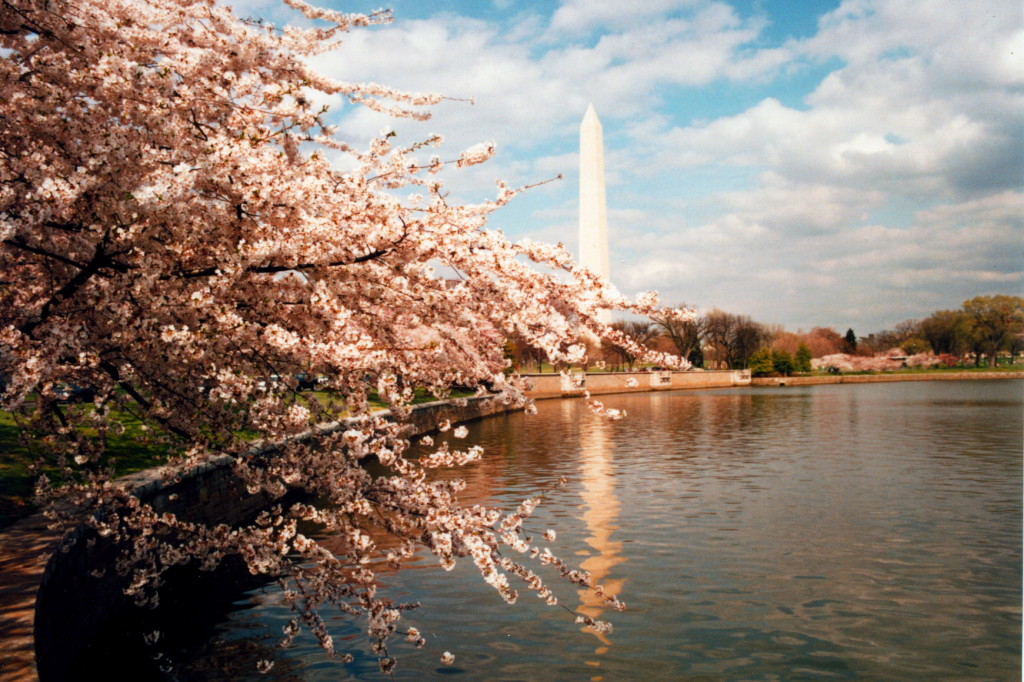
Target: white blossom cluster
174,236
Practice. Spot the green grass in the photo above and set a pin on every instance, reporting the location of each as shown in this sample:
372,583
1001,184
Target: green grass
132,450
15,478
1018,367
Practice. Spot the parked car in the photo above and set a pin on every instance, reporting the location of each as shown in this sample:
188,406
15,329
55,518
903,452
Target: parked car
309,382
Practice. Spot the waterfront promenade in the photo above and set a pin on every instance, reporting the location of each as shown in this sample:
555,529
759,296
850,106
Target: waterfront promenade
25,547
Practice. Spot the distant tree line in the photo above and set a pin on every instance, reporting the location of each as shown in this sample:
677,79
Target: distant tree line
984,328
981,330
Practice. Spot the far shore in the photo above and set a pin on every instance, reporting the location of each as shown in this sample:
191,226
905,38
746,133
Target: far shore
881,377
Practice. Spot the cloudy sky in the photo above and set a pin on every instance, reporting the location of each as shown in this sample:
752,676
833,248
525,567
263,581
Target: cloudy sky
846,164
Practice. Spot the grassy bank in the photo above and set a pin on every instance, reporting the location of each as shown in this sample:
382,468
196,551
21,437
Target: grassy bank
21,460
879,377
1018,368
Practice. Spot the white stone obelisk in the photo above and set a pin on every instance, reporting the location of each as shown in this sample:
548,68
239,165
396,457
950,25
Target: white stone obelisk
593,212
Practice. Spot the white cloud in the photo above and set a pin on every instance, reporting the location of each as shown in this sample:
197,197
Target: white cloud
870,126
948,254
890,183
976,42
527,89
577,15
802,208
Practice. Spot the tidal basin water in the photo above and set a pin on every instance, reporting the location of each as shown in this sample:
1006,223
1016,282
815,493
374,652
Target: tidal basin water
862,532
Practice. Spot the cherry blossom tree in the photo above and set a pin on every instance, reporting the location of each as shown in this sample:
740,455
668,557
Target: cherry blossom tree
173,233
893,359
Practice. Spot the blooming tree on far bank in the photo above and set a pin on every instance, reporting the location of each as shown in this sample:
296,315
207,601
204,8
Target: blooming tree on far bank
173,234
893,359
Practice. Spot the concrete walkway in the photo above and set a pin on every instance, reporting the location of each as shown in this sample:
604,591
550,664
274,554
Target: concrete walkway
25,548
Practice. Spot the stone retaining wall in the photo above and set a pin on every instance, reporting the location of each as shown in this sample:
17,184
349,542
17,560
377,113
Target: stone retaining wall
597,383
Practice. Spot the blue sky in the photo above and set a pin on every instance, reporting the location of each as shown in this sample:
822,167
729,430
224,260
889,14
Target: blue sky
846,164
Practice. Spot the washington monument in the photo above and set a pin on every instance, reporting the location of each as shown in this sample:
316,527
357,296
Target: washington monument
593,214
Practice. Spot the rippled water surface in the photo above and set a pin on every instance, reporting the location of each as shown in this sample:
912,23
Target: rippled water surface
867,532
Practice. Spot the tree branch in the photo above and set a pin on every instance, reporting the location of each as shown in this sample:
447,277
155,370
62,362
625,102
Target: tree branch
145,404
19,243
99,260
269,269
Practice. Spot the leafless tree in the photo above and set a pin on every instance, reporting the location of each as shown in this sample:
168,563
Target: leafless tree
686,335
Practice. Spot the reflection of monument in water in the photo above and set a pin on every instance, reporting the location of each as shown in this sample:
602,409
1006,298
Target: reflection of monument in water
600,511
593,209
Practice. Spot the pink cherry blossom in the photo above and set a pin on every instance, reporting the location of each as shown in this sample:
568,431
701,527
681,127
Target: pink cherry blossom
174,235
